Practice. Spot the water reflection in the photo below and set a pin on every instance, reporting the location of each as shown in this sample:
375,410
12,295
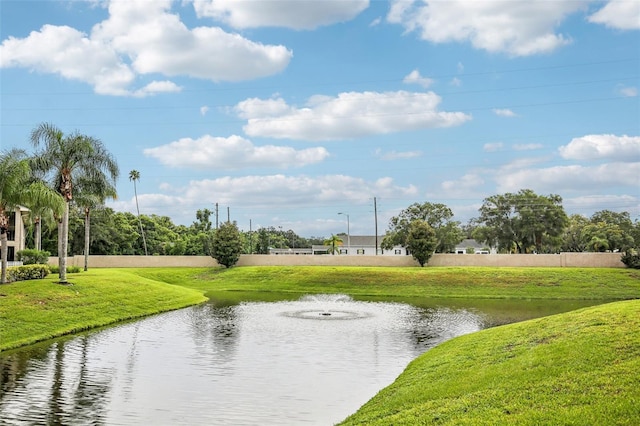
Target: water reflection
309,361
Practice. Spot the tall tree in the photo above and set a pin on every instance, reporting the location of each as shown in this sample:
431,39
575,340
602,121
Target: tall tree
227,244
91,194
134,176
333,243
421,241
524,219
438,216
65,158
17,188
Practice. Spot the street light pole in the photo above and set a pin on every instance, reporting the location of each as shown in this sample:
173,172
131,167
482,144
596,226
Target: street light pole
348,232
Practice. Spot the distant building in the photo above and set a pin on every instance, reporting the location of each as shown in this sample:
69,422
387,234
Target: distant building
16,234
471,244
354,245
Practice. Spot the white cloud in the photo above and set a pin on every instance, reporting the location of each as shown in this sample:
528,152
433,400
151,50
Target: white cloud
567,179
68,52
348,115
628,91
397,155
493,146
141,38
596,147
414,77
234,152
593,203
619,14
527,146
295,14
464,186
156,87
504,112
204,110
519,28
455,81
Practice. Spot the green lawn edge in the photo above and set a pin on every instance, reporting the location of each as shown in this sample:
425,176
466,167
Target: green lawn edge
576,368
37,310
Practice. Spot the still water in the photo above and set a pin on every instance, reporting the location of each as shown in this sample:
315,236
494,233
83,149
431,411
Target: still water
309,361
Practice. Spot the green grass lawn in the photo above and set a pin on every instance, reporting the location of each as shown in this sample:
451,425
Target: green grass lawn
31,311
577,368
458,282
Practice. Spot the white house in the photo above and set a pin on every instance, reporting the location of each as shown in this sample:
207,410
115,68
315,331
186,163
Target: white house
16,234
361,245
471,244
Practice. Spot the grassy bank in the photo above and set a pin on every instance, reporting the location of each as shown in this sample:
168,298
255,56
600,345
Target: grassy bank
575,368
468,282
31,311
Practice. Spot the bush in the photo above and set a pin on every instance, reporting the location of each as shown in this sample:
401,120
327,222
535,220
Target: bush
70,269
27,272
33,257
631,258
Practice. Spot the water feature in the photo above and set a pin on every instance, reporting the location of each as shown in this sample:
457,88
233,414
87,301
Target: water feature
309,361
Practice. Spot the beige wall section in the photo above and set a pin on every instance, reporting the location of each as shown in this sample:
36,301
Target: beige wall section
582,260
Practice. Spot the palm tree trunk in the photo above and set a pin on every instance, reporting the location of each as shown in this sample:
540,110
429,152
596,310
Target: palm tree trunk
64,245
87,225
144,241
38,236
3,248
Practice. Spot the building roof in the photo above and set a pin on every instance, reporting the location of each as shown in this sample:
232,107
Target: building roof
470,242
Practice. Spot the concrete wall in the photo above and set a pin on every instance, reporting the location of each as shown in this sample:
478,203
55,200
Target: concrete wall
582,260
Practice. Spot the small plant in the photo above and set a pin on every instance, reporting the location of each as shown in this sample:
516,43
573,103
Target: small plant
33,257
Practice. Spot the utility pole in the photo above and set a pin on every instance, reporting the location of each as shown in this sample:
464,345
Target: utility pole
216,215
375,215
228,215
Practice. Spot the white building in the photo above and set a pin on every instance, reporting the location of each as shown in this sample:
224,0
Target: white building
16,234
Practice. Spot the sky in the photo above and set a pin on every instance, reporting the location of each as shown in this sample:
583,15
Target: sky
321,116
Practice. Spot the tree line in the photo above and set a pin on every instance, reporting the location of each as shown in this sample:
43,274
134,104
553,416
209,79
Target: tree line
522,222
67,180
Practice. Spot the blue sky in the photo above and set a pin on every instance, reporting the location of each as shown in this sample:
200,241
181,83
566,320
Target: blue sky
287,112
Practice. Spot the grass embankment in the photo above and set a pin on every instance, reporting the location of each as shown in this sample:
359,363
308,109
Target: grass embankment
575,368
31,311
458,282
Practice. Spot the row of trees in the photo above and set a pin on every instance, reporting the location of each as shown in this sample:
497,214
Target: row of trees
63,168
522,222
68,178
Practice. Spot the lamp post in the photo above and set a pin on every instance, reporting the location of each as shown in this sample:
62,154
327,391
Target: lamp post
348,232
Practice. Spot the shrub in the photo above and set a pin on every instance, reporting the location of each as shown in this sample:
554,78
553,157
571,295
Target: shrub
27,272
631,258
70,269
32,256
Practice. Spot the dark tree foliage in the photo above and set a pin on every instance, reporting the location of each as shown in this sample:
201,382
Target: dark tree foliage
421,241
439,217
226,245
524,220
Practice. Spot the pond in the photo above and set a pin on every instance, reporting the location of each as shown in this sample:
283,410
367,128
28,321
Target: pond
313,360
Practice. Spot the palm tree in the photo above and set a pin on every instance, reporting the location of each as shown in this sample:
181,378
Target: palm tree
65,158
16,188
89,195
333,243
134,175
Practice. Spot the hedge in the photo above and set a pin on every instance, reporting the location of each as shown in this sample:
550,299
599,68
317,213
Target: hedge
27,272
